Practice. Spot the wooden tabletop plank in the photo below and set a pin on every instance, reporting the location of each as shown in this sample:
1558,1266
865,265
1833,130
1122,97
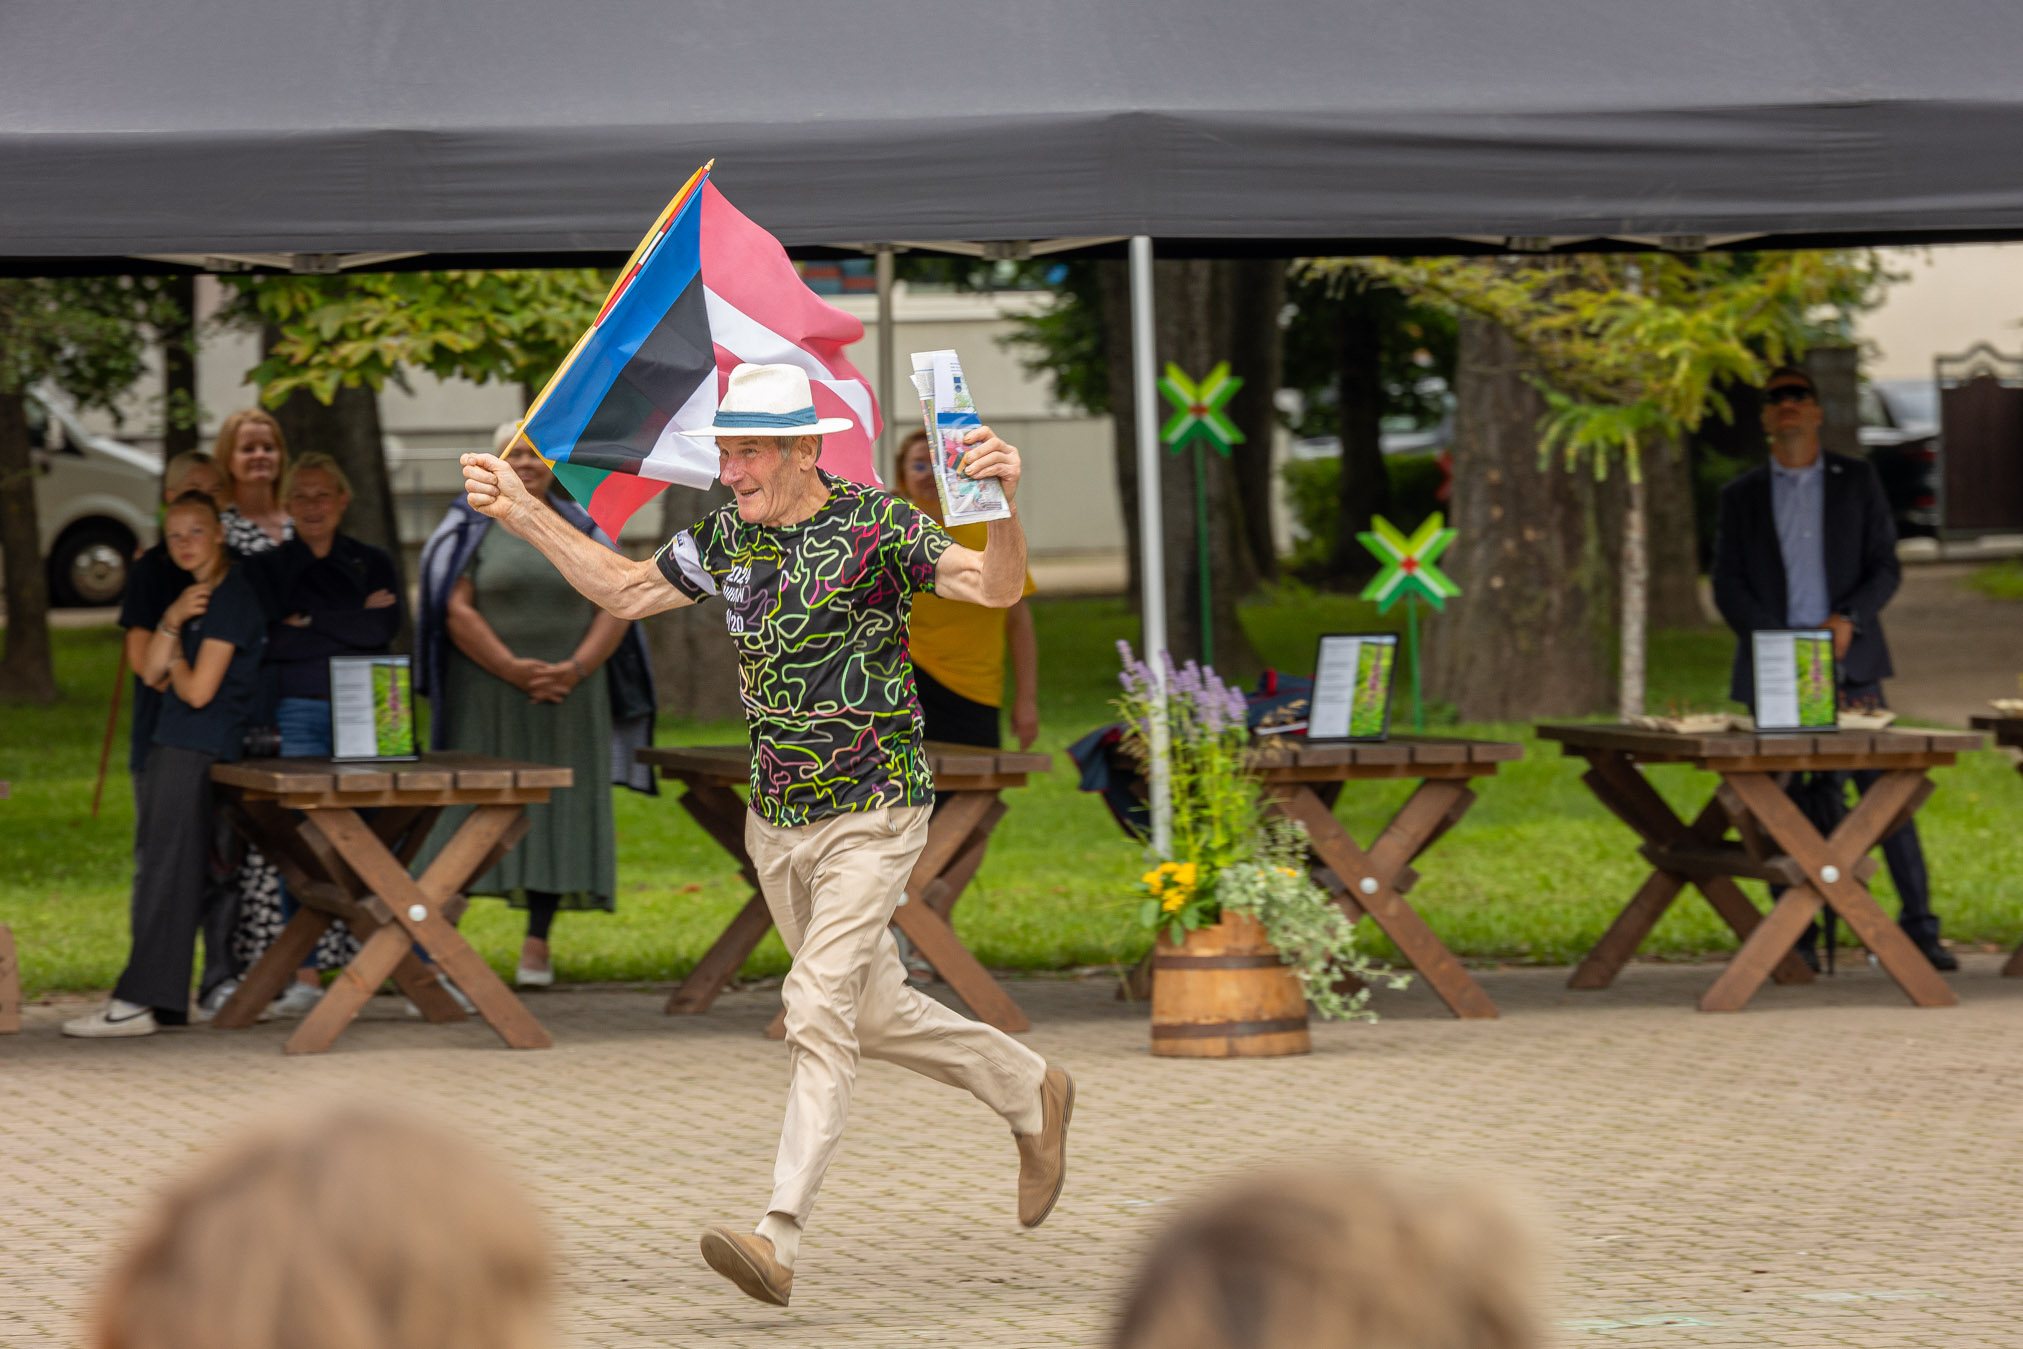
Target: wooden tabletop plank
359,777
543,775
1020,761
273,775
1494,751
1429,750
960,760
2006,730
430,779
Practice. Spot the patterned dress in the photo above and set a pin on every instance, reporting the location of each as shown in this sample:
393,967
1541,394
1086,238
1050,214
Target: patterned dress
818,614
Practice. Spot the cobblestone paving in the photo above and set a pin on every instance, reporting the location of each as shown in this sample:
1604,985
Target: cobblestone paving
1830,1167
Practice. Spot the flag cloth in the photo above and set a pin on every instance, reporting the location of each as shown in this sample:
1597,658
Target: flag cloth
705,290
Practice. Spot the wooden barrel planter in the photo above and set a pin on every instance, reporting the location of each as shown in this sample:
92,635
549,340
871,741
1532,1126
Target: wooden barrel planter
1225,995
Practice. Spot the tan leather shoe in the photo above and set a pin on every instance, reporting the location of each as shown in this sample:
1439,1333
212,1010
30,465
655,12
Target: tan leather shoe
1043,1157
746,1259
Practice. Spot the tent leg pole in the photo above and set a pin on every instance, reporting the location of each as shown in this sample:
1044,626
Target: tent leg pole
1151,538
885,359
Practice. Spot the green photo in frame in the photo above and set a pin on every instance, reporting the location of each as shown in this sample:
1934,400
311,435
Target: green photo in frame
1353,675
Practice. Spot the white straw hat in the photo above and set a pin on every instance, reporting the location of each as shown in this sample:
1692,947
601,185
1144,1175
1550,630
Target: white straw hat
770,400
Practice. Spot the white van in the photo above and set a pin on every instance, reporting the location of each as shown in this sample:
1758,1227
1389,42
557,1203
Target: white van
94,500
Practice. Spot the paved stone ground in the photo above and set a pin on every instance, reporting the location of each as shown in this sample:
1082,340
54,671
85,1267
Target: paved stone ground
1830,1167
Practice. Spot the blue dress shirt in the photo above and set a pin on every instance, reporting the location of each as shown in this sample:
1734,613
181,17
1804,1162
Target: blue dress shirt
1798,500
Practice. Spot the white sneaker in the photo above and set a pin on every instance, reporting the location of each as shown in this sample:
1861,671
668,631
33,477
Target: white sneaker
117,1020
297,1000
215,1001
470,1008
528,977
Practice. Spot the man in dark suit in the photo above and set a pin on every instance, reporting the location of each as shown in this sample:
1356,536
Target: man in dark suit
1806,541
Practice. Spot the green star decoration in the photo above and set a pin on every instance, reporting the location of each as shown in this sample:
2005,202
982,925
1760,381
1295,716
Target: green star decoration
1199,414
1408,563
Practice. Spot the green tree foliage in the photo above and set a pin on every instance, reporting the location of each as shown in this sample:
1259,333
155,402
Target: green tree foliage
1633,349
89,337
364,329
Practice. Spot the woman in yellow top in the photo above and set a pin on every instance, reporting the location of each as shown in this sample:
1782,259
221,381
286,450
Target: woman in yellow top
958,649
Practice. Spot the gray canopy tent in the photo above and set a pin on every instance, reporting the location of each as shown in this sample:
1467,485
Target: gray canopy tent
223,134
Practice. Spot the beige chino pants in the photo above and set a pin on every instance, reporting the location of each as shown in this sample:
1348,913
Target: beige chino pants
831,887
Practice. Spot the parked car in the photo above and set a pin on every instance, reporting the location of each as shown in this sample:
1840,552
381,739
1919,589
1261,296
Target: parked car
95,500
1900,433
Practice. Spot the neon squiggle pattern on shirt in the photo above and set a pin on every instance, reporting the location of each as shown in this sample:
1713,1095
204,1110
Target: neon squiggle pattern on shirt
818,614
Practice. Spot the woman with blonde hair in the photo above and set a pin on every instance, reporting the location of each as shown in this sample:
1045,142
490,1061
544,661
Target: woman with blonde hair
252,455
349,1229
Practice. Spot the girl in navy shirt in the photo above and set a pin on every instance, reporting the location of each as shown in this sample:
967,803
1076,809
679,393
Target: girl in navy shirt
207,646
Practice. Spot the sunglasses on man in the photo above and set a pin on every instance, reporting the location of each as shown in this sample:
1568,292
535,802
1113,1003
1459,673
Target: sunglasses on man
1788,393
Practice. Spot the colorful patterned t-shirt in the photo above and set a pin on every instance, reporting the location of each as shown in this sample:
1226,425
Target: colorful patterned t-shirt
818,614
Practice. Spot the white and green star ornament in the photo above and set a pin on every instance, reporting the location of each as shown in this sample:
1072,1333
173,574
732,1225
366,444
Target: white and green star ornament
1409,563
1198,411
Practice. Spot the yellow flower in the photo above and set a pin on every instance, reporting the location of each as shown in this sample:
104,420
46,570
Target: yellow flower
1173,902
1185,873
1288,871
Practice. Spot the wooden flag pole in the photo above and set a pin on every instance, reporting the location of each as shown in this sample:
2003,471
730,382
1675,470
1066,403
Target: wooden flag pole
111,724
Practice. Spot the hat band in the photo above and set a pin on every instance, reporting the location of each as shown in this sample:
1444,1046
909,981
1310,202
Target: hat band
805,417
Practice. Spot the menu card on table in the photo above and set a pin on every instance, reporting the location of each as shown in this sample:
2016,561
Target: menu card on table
371,708
1795,685
1352,686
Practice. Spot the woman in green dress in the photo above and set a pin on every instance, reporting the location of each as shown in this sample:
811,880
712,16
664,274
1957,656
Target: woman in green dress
513,659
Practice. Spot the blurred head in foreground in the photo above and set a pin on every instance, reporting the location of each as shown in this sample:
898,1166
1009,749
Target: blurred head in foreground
1350,1259
352,1230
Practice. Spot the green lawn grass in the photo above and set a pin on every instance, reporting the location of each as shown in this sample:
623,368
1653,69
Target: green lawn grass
1999,580
1534,874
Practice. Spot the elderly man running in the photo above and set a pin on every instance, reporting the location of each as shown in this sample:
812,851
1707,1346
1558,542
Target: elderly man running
817,575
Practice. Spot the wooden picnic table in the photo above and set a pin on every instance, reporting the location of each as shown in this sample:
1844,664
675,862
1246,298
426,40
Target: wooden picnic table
1304,780
1775,843
339,865
2007,731
972,780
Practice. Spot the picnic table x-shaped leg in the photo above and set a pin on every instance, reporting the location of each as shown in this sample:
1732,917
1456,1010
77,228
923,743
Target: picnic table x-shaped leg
956,839
1376,881
340,866
1628,794
1832,868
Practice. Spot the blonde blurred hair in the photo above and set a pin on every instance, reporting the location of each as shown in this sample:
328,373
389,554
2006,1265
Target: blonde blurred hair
352,1229
228,441
179,468
316,461
1343,1259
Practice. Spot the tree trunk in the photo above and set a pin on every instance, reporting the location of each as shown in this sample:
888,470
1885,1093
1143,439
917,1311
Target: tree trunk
1191,313
1635,595
179,370
1114,286
1257,347
27,674
695,667
1525,637
1674,539
1365,486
